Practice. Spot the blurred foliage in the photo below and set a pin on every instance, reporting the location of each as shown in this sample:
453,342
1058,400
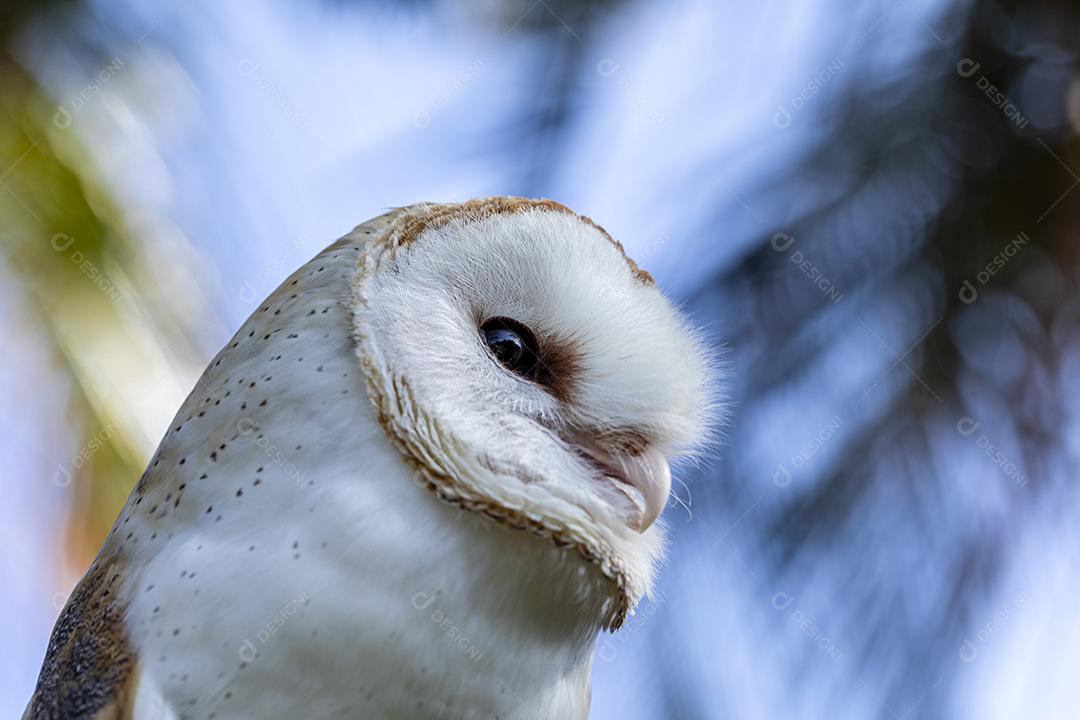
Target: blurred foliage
58,224
887,519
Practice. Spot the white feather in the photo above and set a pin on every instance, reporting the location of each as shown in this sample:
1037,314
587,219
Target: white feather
289,564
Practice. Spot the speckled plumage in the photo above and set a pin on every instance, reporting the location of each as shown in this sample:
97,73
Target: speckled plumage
278,559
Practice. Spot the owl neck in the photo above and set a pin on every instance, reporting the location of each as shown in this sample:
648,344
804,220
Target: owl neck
502,622
513,617
365,581
509,619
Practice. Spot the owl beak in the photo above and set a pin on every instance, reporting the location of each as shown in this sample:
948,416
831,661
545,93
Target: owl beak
638,470
648,473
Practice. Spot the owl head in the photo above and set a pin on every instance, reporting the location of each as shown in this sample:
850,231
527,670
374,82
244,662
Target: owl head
532,372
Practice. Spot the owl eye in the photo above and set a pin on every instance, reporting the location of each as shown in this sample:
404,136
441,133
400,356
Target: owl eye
512,344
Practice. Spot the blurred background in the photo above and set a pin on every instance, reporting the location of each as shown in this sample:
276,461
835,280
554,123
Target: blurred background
873,206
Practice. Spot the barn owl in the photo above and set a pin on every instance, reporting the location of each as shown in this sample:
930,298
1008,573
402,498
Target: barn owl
418,482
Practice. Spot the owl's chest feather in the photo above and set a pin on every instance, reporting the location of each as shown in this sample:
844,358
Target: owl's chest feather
381,601
298,569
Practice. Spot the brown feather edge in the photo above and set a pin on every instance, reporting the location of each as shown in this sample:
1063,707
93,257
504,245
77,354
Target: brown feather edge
450,490
90,671
418,218
404,229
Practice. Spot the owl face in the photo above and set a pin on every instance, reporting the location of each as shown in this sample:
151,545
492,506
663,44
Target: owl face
530,371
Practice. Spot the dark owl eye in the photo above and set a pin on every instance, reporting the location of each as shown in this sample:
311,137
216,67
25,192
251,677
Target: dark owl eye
512,344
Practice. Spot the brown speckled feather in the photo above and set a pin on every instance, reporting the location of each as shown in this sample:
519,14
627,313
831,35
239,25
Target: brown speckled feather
89,671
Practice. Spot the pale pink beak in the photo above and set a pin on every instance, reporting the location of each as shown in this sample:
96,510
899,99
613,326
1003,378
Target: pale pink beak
643,476
648,473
